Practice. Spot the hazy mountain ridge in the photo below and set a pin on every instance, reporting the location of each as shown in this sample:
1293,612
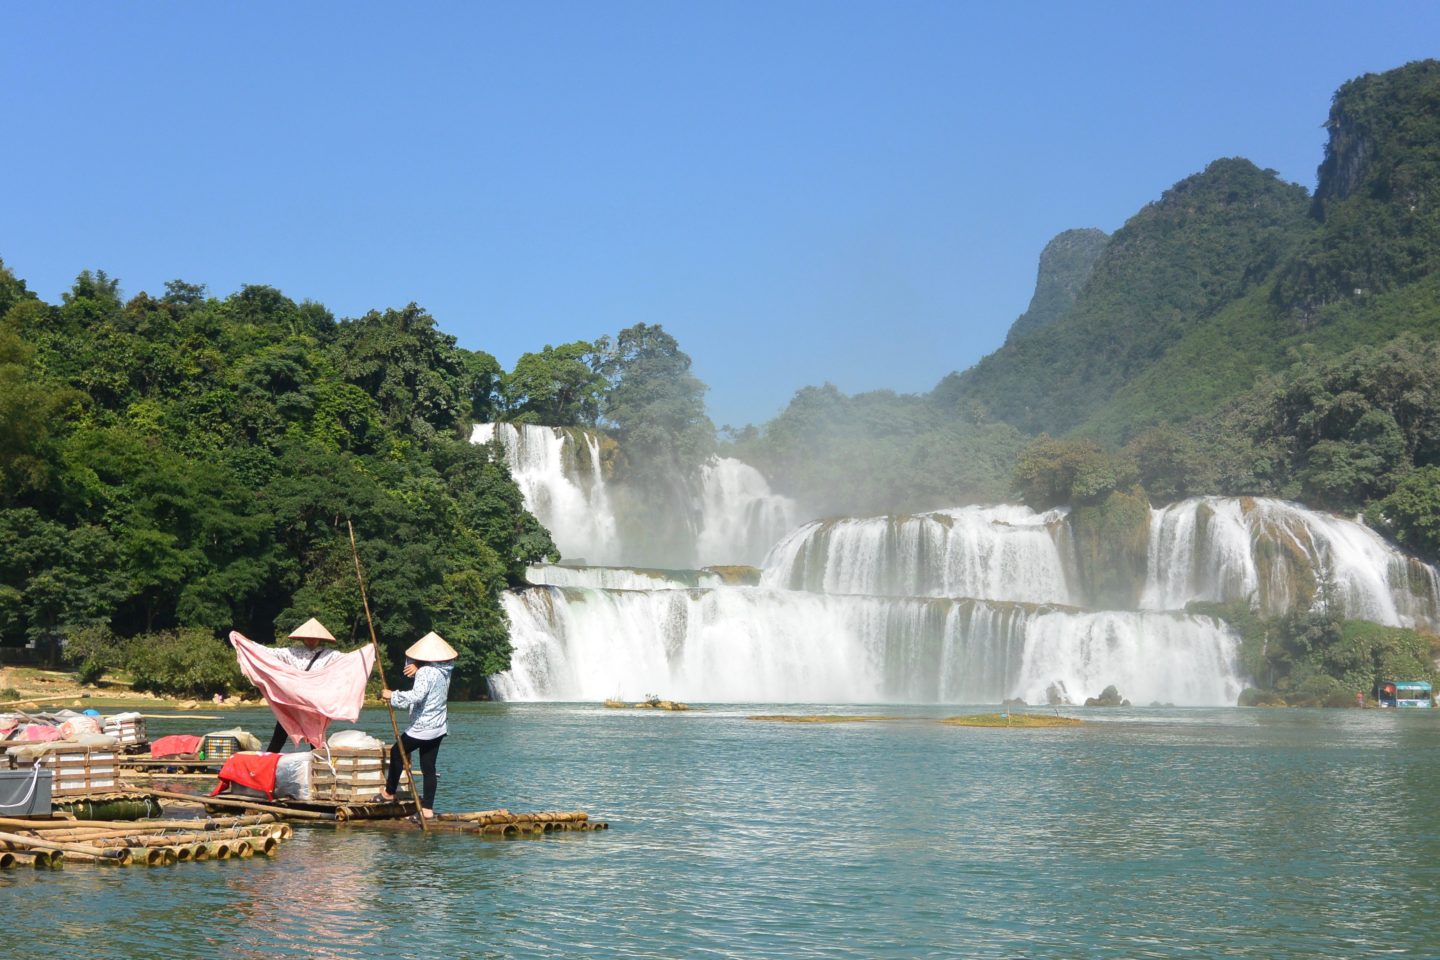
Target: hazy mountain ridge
1208,288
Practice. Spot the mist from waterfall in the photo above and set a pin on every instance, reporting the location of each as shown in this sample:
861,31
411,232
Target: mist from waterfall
729,515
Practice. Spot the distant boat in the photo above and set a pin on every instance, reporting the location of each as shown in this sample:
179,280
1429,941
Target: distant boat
1406,693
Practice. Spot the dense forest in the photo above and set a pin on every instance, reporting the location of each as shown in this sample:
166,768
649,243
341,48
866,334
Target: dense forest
174,466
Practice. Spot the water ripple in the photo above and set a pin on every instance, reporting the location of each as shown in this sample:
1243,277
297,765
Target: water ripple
1157,834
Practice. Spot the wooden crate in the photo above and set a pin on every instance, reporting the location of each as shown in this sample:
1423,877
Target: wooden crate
129,731
78,771
359,773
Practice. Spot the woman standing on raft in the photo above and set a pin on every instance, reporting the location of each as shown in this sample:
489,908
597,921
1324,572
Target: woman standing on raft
430,661
306,655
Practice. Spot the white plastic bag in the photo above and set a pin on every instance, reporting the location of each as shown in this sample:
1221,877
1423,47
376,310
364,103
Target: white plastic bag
353,740
292,775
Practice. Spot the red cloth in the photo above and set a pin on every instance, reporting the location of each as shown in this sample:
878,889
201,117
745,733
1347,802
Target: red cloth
253,770
175,745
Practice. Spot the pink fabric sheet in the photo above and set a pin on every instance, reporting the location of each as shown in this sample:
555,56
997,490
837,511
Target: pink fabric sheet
305,701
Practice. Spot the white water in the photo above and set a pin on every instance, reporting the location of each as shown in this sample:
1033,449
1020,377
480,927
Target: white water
971,605
753,644
991,553
573,504
735,518
1264,552
619,578
1268,552
740,518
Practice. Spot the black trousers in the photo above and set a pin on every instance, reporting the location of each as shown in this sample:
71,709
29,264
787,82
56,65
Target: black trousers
427,749
277,739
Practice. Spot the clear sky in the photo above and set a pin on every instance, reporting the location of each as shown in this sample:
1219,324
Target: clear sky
798,191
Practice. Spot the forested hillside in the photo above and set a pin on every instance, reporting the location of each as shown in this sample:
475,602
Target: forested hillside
177,466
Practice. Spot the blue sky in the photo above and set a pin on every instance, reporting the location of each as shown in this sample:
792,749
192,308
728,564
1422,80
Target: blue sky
800,192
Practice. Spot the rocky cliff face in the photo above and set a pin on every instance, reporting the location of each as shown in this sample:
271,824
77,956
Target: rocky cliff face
1378,196
1065,265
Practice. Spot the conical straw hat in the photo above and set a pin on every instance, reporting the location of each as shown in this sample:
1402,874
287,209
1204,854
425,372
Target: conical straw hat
311,629
431,648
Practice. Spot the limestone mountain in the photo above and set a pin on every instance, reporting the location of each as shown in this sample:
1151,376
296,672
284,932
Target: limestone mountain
1065,264
1232,270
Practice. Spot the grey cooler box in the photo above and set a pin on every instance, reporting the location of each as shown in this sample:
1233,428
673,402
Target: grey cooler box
25,792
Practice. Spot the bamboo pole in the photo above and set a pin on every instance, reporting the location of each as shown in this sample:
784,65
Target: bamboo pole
285,812
65,696
197,823
380,664
119,855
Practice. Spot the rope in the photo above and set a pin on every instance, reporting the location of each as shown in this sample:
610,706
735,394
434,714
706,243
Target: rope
30,794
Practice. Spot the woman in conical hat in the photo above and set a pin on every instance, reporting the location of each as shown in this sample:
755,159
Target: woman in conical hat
430,660
305,655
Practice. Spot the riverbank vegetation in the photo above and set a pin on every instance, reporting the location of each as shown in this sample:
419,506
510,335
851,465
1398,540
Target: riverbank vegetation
180,465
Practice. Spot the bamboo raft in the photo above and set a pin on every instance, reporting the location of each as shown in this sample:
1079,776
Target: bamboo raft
50,843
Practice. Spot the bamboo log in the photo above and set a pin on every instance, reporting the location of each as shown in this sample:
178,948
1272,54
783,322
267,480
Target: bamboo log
285,812
40,860
75,848
194,836
63,696
117,857
152,857
7,860
242,849
171,824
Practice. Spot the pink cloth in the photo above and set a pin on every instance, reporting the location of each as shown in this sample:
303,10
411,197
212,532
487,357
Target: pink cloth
305,701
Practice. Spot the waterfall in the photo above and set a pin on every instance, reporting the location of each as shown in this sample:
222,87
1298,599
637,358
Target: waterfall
1275,555
968,605
563,485
728,514
745,644
992,553
740,518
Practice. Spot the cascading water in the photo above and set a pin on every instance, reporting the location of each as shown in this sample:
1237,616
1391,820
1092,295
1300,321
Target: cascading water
620,578
970,605
1276,556
754,644
992,553
563,485
739,517
732,518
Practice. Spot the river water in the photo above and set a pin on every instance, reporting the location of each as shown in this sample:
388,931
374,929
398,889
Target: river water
1145,833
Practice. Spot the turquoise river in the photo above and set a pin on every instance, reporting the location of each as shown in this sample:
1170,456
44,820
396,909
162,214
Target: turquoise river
1145,833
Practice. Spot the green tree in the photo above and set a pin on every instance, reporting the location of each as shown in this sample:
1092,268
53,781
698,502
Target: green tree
654,405
557,387
1052,472
415,372
1410,514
